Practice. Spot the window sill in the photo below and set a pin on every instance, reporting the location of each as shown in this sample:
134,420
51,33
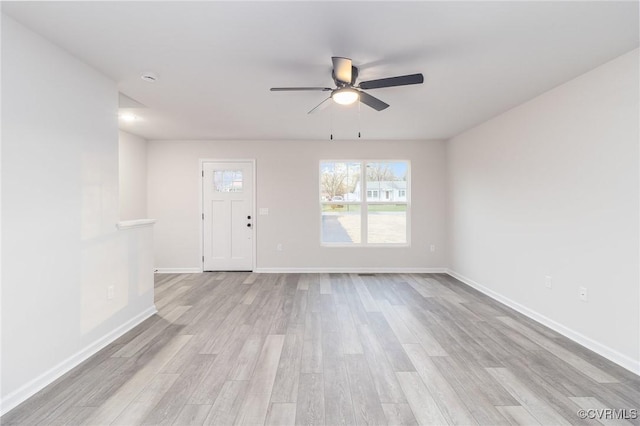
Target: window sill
138,223
347,245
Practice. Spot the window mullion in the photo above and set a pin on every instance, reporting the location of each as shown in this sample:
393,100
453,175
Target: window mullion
364,207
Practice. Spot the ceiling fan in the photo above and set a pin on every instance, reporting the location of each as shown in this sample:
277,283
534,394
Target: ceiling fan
347,91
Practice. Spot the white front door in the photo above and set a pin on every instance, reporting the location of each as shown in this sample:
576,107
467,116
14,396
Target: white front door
227,200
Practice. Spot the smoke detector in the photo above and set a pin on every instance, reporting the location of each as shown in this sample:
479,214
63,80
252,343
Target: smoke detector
150,77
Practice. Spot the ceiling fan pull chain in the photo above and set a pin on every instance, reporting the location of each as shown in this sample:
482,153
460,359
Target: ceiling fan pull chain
359,121
331,123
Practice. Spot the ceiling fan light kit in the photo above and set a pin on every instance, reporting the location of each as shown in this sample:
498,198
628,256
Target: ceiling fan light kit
345,96
346,92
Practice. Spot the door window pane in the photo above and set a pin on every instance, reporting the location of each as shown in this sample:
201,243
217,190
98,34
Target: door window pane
341,223
387,223
227,180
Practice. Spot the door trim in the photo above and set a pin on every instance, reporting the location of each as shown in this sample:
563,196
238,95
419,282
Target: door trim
201,163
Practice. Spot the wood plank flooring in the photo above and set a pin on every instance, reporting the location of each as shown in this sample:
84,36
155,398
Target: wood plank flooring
335,349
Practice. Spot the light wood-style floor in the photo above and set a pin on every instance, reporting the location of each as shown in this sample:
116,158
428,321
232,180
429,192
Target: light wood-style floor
334,349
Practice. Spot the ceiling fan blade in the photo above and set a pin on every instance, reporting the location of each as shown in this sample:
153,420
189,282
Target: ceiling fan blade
402,80
342,69
322,105
373,102
299,89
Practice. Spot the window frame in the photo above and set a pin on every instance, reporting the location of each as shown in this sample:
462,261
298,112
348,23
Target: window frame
364,205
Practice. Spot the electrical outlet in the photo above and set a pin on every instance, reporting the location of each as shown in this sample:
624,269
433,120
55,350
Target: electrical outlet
582,293
548,283
279,247
432,247
111,292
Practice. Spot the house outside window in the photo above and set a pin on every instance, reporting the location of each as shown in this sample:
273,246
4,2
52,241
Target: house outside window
350,219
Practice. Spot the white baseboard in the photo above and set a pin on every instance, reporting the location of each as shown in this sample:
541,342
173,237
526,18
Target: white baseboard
349,270
607,352
317,270
29,389
178,270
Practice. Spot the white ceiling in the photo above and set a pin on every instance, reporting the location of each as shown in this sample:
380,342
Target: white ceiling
217,60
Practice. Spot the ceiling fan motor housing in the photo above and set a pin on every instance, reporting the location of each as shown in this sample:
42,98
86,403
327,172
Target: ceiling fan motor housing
354,77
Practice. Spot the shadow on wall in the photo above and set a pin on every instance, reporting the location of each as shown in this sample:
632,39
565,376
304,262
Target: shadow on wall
117,275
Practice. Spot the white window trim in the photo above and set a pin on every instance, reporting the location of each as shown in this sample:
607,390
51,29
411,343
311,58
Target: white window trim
363,203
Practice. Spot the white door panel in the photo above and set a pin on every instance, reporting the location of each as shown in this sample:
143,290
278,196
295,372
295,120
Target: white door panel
227,192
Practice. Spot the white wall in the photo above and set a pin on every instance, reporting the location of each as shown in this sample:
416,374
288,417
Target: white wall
287,184
132,154
552,188
61,249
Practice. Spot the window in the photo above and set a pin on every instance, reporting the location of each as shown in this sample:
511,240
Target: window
227,180
348,218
